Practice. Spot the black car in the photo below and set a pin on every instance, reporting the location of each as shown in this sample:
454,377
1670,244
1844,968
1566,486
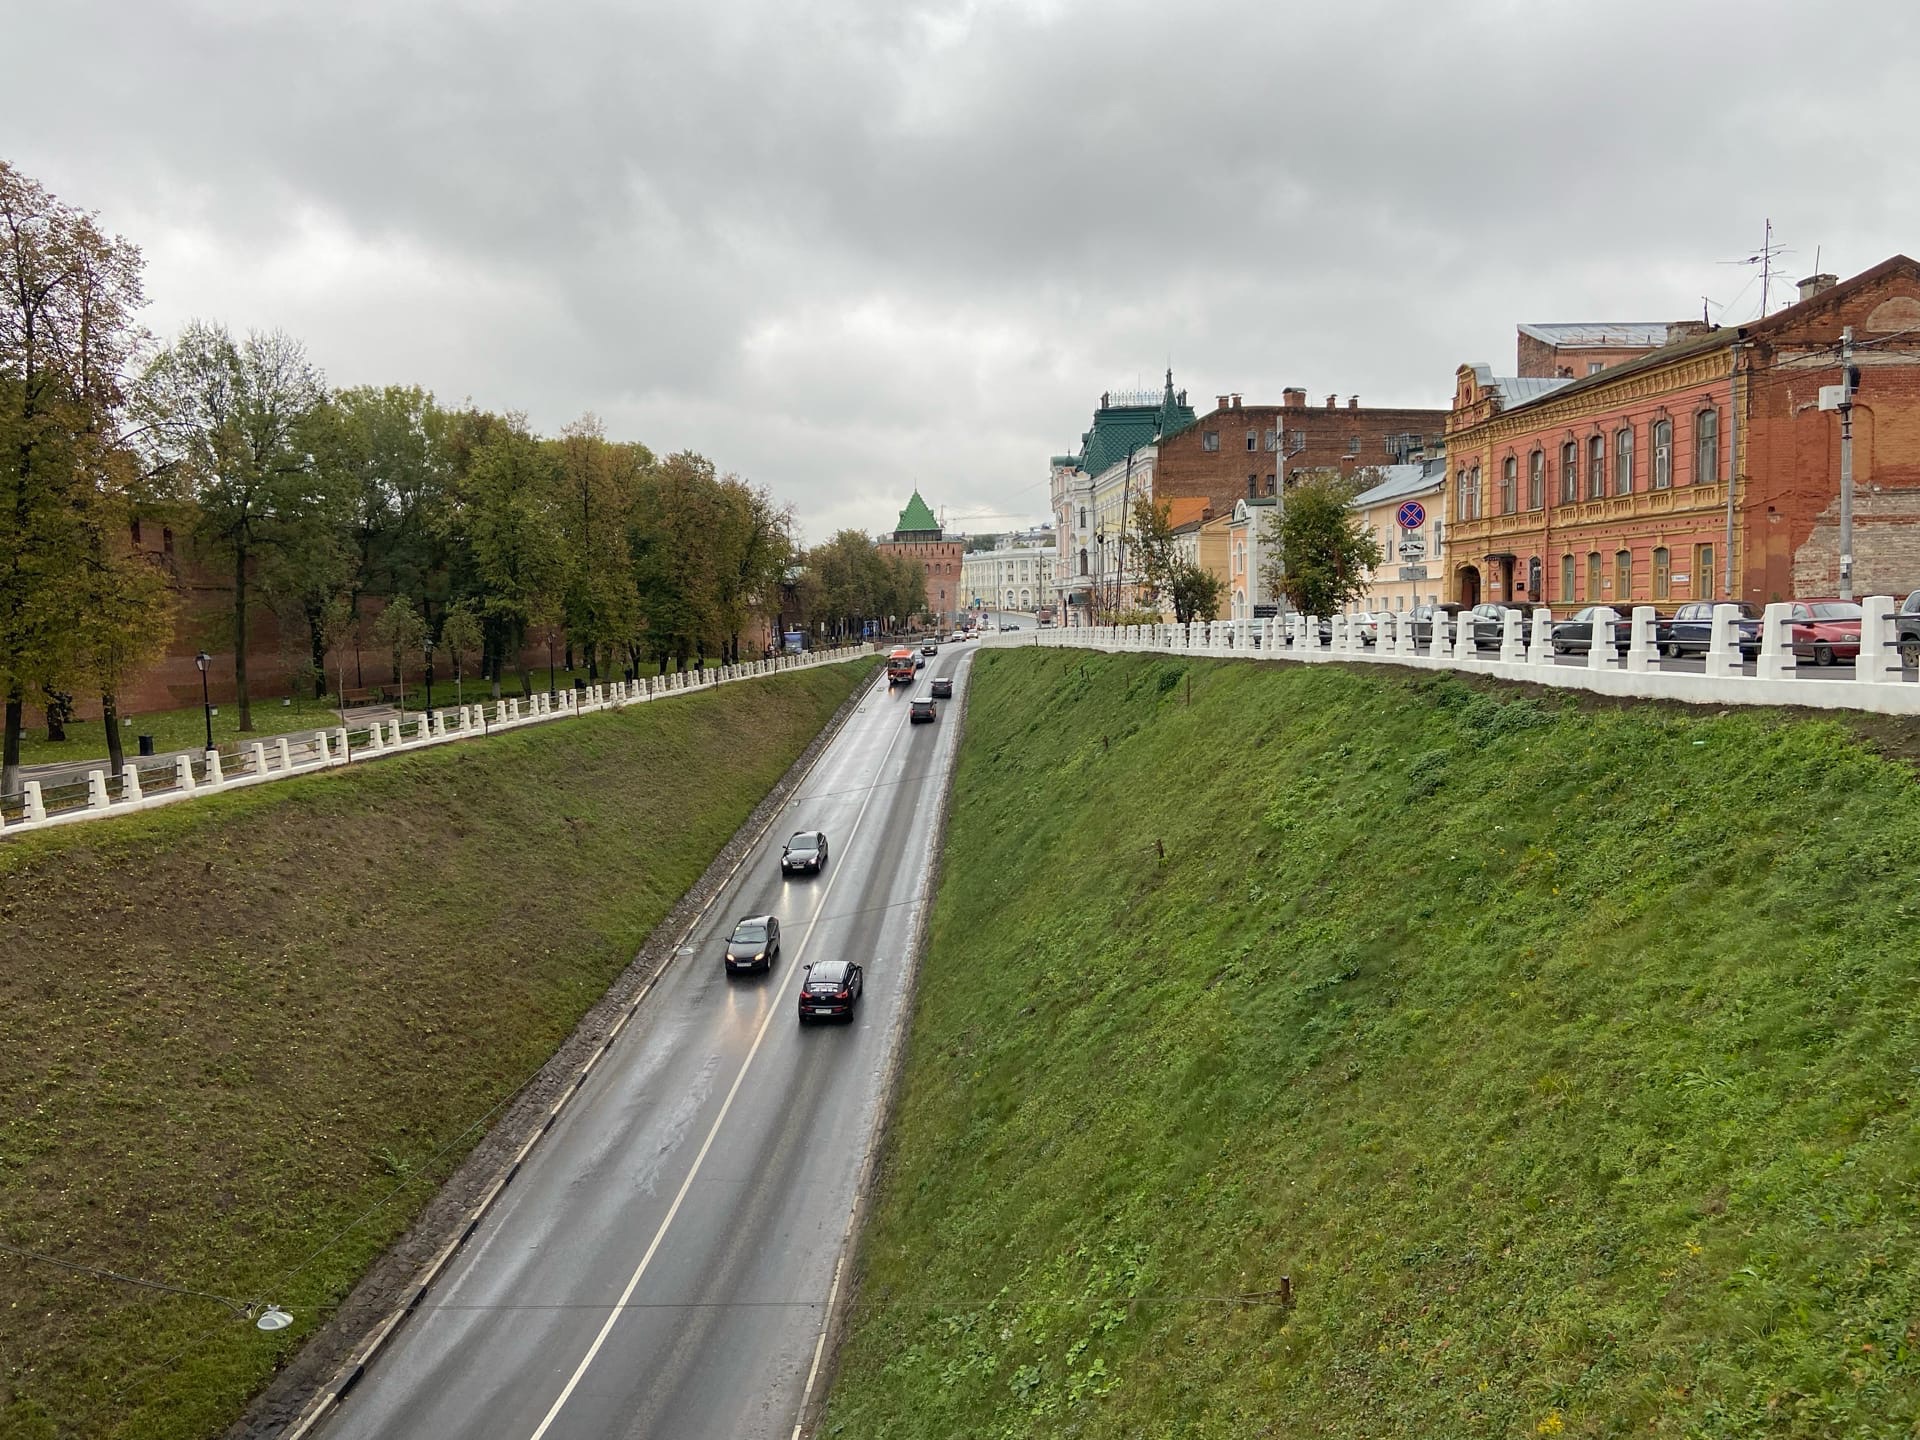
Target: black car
754,944
832,987
1574,635
929,649
1423,620
1486,622
1690,630
920,710
943,688
804,851
920,661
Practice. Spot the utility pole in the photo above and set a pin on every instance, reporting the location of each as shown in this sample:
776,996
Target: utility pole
1126,503
1847,380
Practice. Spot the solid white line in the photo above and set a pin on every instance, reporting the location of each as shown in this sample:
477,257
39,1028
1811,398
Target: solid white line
686,1185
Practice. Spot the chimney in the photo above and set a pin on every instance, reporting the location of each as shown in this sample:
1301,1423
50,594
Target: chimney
1817,285
1687,329
1221,402
1293,398
1236,402
1353,402
1333,402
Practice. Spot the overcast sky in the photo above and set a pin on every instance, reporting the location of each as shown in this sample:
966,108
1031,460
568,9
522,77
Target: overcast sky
844,247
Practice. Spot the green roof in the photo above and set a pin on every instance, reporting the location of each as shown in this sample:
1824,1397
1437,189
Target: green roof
1118,429
916,517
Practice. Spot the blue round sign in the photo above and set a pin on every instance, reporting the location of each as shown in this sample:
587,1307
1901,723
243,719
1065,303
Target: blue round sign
1412,515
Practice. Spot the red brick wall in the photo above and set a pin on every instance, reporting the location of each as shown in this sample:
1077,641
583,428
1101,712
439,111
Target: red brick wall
1343,438
940,559
1535,357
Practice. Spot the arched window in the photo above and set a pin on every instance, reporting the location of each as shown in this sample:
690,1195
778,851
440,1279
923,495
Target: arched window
1083,517
1706,444
1469,486
1083,559
1569,475
1662,454
1623,461
1566,579
1509,484
1596,467
1593,575
1662,573
1536,479
1623,577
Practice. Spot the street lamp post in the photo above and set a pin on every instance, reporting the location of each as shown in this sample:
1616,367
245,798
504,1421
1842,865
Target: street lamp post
206,699
428,647
553,689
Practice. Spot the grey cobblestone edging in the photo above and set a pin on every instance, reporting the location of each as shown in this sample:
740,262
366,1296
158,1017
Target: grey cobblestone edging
334,1357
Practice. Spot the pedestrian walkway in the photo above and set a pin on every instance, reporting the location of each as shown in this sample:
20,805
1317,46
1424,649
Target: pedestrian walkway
65,772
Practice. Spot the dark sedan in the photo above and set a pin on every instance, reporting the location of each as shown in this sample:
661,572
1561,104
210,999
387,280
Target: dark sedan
1574,635
806,851
832,987
921,710
1423,620
754,944
1824,631
1690,630
943,688
1486,622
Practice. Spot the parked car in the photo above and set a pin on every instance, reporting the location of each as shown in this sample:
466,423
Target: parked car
943,688
805,851
754,944
1009,627
831,987
921,710
1824,631
1691,629
1574,635
1906,625
1423,620
1486,622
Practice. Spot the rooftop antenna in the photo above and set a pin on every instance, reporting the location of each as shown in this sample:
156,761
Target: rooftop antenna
1764,258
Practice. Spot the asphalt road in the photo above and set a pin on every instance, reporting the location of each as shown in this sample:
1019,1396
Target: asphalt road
661,1265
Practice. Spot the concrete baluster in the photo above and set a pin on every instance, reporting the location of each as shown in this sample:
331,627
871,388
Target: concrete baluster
1339,636
1775,661
1640,639
376,738
35,806
1723,644
423,730
1440,647
1879,661
1387,637
130,781
1540,636
439,725
346,745
97,790
1513,645
257,758
1600,651
393,732
215,775
183,773
322,754
283,752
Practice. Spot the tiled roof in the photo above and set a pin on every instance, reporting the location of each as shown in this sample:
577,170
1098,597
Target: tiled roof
916,516
1600,334
1118,429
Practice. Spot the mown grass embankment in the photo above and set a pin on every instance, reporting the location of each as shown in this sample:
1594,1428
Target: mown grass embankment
229,1027
1562,1059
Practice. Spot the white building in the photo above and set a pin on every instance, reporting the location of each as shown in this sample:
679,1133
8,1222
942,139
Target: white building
1405,512
1247,544
1017,575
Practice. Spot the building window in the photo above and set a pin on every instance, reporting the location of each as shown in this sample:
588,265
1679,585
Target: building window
1533,577
1593,575
1083,517
1209,439
1470,494
1623,576
1273,440
1596,467
1662,573
1703,573
136,529
1353,445
1253,486
1706,432
1536,479
1594,367
1566,579
1569,475
1509,484
1083,560
1662,454
1270,484
1623,461
1253,441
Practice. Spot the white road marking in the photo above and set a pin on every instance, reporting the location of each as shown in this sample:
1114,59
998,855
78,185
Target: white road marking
686,1185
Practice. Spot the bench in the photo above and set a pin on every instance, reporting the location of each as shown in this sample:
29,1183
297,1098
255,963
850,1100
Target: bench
353,699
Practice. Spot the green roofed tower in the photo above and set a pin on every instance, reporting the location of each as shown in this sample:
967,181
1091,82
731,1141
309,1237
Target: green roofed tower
917,521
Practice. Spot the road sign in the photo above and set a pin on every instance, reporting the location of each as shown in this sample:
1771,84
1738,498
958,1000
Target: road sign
1413,548
1412,515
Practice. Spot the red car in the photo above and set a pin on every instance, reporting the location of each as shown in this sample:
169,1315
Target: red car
1824,631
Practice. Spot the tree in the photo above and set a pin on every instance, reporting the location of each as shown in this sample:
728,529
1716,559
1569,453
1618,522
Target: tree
68,296
402,633
224,419
461,636
1318,552
340,634
753,545
1192,590
599,483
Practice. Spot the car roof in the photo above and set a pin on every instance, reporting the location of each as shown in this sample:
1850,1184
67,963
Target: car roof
827,969
753,920
803,835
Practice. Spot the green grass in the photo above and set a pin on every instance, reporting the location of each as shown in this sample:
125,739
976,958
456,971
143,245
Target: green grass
1560,1058
228,1028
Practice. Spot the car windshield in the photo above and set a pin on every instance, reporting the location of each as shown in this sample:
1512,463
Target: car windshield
1836,610
749,934
829,975
1739,607
803,842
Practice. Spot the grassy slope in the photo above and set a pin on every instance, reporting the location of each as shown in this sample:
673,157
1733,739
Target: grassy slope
227,1028
1561,1059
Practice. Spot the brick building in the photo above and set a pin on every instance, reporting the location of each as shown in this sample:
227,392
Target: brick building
1702,468
919,537
1237,451
1573,351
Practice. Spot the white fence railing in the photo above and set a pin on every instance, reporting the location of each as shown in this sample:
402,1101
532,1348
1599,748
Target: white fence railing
1877,683
183,777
